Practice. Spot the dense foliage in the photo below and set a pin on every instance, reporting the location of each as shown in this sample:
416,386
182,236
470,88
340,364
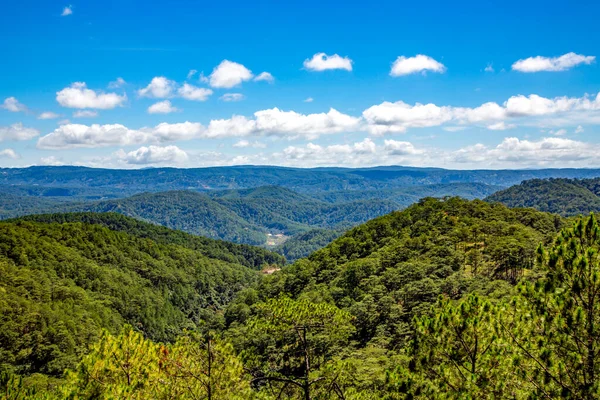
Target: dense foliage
303,244
250,256
62,282
392,268
567,197
448,299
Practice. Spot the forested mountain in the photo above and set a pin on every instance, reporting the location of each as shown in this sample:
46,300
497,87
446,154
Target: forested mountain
249,256
393,267
63,282
566,197
238,219
447,299
304,180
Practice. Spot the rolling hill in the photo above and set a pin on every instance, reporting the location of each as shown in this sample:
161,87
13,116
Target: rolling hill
566,197
62,282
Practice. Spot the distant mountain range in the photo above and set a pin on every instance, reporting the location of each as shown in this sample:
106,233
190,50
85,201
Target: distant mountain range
123,183
309,207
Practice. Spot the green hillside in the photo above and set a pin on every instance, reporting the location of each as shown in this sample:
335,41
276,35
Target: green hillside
240,216
566,197
447,299
394,267
62,282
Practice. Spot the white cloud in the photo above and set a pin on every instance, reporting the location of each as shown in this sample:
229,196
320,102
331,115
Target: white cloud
165,132
397,117
387,117
489,68
552,64
155,155
290,124
412,65
513,152
229,74
245,143
579,129
309,100
159,87
119,82
85,114
191,92
535,105
63,122
531,110
500,126
322,62
79,96
191,74
48,115
162,107
71,136
17,132
9,153
264,76
68,10
13,105
232,97
400,148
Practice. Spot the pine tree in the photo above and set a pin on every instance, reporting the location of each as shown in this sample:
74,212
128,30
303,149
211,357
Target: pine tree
558,329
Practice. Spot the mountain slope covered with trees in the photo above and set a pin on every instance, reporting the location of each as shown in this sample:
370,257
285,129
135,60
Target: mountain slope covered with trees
62,283
566,197
448,299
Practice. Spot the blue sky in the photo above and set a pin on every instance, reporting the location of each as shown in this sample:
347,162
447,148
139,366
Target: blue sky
461,85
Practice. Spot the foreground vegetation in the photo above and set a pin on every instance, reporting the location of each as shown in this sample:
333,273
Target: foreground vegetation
448,299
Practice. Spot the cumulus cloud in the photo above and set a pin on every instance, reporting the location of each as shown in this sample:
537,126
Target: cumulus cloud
552,64
81,136
489,68
52,161
17,132
229,74
290,124
9,153
232,97
155,155
162,107
322,62
579,129
117,83
79,96
309,100
397,117
264,76
514,152
13,105
191,92
159,88
48,115
412,65
68,10
85,114
395,147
